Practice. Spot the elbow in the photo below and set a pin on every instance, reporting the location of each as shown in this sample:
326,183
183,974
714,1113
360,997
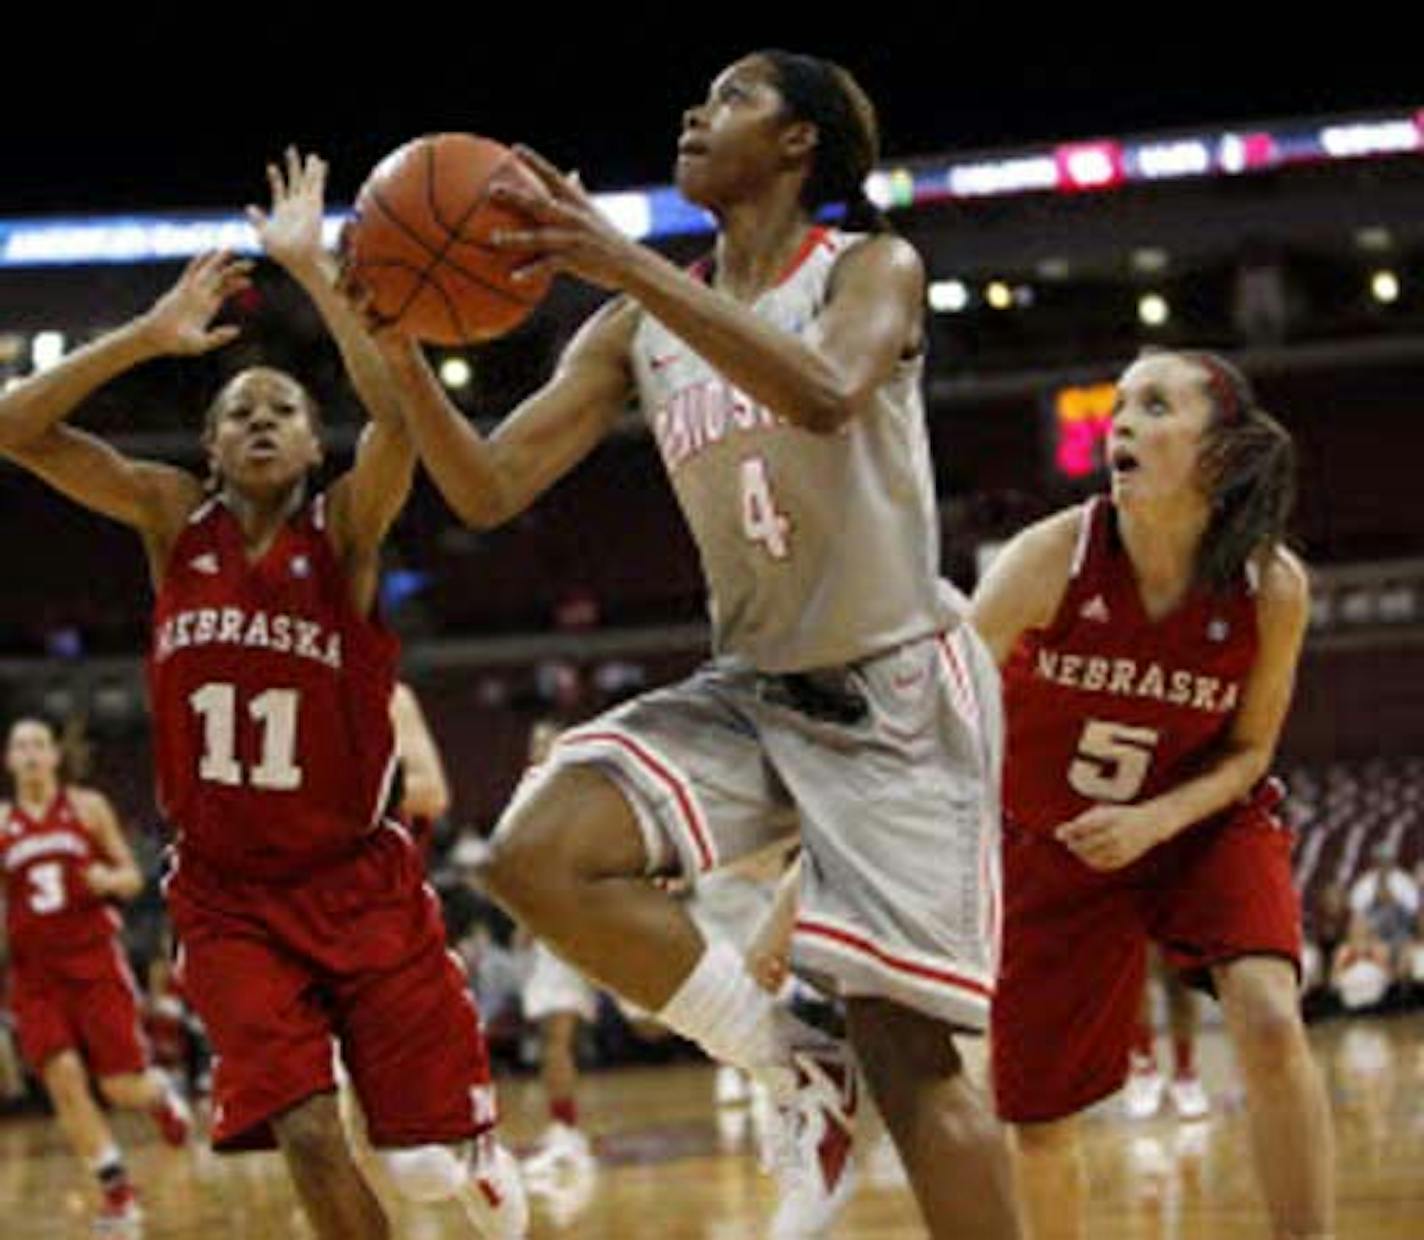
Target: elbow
827,412
479,512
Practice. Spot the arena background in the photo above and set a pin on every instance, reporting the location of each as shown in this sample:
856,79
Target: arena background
1278,217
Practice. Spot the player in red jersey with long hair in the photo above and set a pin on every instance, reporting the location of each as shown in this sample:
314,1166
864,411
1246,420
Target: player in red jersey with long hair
1149,642
65,860
302,916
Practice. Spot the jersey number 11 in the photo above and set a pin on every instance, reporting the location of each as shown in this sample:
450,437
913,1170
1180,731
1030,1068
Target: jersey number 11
274,711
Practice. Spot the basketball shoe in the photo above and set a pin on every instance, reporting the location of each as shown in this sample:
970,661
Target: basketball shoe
174,1119
119,1213
493,1196
1189,1099
812,1142
1142,1095
560,1146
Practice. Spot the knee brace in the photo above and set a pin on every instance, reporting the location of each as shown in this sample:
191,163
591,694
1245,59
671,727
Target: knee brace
425,1173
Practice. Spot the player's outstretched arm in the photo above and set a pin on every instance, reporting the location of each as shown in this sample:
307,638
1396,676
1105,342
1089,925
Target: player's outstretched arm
487,481
427,791
119,877
153,498
1025,583
178,322
872,320
366,501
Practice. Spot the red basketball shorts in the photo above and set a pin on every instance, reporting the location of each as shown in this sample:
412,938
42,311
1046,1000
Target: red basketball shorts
84,1001
1075,942
353,957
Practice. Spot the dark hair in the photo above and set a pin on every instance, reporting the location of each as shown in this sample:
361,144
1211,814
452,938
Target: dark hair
847,133
1249,468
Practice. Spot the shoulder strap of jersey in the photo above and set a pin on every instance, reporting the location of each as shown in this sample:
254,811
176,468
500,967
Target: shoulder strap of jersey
1089,550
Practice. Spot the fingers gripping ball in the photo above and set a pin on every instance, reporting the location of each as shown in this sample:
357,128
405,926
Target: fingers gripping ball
418,245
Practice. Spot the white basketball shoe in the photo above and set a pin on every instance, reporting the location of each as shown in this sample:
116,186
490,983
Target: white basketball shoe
493,1196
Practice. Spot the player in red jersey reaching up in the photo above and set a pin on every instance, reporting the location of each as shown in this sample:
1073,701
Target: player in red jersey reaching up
301,915
847,703
64,860
1149,643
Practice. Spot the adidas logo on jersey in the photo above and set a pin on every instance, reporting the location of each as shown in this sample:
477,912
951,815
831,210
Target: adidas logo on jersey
1095,609
1218,630
205,563
301,566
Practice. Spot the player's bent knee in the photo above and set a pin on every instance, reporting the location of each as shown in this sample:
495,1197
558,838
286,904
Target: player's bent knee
1052,1139
424,1173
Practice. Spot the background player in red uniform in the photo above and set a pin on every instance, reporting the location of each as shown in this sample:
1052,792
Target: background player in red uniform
301,917
64,859
1150,643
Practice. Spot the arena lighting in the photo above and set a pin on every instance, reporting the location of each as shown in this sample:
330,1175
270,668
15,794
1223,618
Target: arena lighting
46,350
998,294
1153,309
1384,286
948,296
455,372
1094,166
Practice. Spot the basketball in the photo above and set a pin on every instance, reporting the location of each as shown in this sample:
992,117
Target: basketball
418,243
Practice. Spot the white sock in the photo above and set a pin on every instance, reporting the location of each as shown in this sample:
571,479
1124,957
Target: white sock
720,1007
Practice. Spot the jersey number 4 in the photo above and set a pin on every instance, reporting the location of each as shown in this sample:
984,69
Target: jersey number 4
274,711
761,521
1112,760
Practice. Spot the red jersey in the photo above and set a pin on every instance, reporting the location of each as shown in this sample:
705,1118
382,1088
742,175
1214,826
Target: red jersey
271,700
1107,705
50,909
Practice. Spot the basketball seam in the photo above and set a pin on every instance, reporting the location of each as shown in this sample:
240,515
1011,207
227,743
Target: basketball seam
437,258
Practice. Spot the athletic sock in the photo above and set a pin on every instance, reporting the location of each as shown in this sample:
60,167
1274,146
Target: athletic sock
108,1168
1143,1050
721,1008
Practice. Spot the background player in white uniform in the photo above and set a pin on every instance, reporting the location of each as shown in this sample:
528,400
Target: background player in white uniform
846,701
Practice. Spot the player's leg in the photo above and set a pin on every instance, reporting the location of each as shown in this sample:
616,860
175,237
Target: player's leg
338,1202
672,781
1291,1130
1189,1097
66,1081
1052,1178
949,1141
1232,907
118,1053
1142,1095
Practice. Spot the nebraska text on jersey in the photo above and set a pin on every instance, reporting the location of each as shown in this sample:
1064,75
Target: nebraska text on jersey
51,842
257,630
1135,678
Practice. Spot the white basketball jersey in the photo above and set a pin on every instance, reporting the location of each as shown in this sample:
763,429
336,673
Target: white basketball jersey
818,549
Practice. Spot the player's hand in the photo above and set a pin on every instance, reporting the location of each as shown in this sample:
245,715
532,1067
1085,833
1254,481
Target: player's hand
565,231
770,969
1108,837
97,878
291,232
181,320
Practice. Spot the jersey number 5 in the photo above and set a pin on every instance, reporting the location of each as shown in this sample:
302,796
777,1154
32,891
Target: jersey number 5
274,711
761,522
47,887
1112,760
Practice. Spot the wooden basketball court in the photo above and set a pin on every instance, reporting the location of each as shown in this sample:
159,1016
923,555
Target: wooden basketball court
674,1165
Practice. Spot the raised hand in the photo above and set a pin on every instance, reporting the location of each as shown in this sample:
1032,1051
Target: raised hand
291,232
181,320
566,231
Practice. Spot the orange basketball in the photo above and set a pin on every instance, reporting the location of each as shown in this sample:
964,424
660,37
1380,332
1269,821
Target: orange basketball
418,243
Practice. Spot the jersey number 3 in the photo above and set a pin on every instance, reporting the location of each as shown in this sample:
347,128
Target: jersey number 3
1112,760
274,711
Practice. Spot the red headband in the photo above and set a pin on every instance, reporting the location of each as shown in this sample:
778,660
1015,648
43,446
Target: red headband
1223,390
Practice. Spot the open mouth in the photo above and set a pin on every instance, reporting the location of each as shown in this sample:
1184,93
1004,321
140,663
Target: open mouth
691,148
262,449
1121,461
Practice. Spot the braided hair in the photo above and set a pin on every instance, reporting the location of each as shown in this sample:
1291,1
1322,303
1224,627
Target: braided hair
847,134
